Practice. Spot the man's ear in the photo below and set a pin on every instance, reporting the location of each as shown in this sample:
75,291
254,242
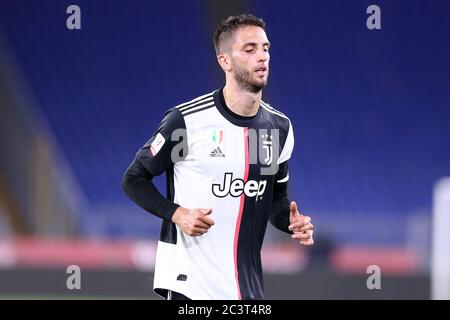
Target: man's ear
224,61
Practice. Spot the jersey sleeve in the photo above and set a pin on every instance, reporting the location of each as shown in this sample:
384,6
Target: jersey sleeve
279,215
167,145
288,146
138,186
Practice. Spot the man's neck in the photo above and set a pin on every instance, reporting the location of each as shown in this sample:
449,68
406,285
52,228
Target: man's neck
240,101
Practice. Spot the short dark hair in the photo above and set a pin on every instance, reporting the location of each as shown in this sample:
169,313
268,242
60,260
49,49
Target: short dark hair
225,29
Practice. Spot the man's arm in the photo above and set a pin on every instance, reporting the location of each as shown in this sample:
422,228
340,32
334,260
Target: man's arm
279,216
285,215
138,186
155,157
151,160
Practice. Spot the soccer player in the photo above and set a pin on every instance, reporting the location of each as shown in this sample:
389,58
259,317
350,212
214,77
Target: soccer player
225,155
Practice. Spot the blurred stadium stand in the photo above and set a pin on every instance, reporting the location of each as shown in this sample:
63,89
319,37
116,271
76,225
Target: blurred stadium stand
370,110
37,192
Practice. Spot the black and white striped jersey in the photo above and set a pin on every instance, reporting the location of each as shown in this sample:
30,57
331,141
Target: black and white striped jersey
216,159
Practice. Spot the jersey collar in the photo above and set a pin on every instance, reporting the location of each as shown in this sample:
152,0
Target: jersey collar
234,118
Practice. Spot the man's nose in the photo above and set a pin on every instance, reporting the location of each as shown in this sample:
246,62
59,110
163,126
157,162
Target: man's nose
263,55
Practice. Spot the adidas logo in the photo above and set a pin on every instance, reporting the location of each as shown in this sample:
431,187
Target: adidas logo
217,153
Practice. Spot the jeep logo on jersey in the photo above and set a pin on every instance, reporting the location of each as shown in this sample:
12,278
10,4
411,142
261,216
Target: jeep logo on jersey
236,187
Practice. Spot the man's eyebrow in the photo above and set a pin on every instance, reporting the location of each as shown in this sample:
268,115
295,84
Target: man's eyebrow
253,44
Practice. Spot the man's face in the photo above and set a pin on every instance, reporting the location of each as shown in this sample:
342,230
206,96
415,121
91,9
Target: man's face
250,58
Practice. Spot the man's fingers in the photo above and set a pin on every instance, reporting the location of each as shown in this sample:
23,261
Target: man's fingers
307,227
301,236
293,208
206,211
200,230
202,225
309,242
305,220
206,219
195,232
299,224
195,222
302,228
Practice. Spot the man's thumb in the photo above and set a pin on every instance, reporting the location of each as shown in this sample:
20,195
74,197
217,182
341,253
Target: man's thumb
293,208
206,211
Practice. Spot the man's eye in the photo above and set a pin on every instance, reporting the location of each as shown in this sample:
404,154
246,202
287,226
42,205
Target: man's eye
248,50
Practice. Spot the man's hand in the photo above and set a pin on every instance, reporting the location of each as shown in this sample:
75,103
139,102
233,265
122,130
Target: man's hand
193,222
301,226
